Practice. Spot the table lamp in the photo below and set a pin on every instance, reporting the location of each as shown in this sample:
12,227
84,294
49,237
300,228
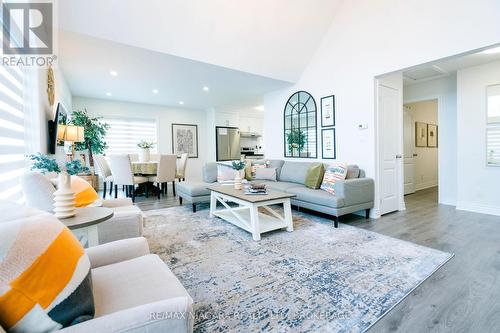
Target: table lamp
71,134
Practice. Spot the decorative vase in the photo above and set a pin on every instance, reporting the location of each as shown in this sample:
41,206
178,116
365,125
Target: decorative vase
237,180
144,155
64,197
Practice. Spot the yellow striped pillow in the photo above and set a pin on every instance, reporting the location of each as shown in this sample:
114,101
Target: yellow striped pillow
84,192
45,281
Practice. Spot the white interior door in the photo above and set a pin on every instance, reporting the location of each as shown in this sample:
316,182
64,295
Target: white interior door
408,152
389,108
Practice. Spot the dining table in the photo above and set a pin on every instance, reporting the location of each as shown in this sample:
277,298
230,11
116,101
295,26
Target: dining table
149,168
145,169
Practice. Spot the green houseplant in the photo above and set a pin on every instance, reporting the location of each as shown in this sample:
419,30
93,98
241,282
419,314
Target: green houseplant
296,140
95,131
238,166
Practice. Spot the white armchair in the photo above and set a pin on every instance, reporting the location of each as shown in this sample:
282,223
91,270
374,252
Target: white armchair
126,222
134,290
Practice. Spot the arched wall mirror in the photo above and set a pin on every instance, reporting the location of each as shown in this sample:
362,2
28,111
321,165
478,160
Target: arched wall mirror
300,119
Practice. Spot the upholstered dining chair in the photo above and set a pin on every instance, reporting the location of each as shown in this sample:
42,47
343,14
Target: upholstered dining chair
181,167
121,168
105,173
166,172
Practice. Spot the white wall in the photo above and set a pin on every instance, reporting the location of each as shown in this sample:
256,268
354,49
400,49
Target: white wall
368,38
478,185
445,90
426,161
37,107
164,117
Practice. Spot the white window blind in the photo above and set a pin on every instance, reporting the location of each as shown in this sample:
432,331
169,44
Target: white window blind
125,133
12,133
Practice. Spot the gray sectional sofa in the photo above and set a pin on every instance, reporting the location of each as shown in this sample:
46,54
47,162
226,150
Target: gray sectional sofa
355,193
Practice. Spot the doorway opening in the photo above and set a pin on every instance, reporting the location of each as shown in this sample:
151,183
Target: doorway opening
420,145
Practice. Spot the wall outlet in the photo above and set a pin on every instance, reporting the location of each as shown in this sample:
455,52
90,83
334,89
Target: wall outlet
363,126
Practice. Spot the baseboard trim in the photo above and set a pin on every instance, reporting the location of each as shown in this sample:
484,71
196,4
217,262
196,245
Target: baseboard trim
423,186
478,208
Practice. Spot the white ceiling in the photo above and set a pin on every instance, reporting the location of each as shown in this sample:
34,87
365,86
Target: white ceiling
273,38
446,67
86,63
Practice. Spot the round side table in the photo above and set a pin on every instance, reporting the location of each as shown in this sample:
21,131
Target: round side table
84,224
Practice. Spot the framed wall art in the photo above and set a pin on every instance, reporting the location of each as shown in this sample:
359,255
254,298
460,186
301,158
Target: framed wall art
432,135
328,144
328,111
185,139
420,134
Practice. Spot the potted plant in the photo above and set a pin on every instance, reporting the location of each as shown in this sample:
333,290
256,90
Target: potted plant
64,197
238,166
296,141
95,131
145,146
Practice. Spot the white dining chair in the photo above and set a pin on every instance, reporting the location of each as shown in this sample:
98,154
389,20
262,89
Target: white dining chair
181,167
105,173
121,168
165,173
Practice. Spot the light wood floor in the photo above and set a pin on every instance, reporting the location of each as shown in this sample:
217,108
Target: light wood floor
464,295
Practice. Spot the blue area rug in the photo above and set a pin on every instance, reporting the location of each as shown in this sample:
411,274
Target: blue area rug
315,278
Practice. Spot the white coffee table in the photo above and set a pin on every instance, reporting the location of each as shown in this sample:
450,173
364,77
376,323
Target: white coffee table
246,215
84,224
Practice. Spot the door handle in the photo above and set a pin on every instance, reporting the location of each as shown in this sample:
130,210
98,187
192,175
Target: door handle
398,156
415,155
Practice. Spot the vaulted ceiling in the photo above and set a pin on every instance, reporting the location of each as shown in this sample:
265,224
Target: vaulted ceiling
271,38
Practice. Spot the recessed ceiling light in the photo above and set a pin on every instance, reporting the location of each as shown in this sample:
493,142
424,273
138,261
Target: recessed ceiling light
181,102
113,73
259,107
492,51
155,91
108,94
205,88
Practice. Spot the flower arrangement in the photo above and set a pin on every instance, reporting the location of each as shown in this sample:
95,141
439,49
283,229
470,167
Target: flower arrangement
145,144
238,165
44,164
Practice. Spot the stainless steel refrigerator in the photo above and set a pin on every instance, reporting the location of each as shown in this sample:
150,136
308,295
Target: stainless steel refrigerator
227,143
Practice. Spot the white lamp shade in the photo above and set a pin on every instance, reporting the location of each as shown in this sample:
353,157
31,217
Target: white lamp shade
73,133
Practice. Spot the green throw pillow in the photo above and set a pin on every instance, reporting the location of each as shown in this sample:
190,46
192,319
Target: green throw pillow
315,175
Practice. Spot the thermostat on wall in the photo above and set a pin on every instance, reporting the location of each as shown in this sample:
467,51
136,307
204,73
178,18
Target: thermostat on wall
363,126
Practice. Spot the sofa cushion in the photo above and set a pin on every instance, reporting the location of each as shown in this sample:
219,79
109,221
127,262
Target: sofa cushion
294,172
38,191
45,275
276,186
278,164
317,197
352,172
209,171
265,174
194,189
315,175
116,286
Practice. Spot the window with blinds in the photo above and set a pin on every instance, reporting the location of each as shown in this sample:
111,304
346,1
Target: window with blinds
125,133
12,132
493,126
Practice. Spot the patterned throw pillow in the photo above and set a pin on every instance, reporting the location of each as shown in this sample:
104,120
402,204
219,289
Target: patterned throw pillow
333,174
45,279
